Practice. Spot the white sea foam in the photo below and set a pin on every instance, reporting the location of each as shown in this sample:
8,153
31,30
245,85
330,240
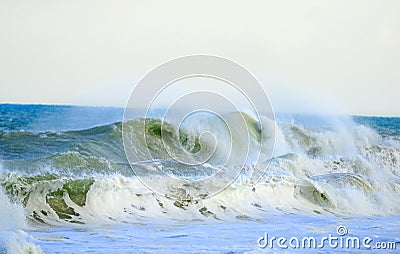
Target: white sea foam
13,238
341,168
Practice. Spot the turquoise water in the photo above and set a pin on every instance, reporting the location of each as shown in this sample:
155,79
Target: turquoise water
67,187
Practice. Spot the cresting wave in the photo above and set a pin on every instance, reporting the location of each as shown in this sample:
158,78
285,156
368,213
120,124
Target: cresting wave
83,177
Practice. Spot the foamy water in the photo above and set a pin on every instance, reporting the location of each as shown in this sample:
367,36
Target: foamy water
72,190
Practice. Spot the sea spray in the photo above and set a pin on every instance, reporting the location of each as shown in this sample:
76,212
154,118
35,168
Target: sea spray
331,165
13,238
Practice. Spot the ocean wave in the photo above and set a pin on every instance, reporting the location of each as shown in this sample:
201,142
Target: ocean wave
83,177
54,199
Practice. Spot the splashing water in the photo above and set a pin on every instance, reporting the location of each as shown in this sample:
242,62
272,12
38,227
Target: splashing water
334,166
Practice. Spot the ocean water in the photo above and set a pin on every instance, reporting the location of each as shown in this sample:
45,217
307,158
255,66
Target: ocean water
66,186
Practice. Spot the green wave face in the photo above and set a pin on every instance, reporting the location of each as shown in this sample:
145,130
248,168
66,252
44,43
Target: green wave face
76,190
48,189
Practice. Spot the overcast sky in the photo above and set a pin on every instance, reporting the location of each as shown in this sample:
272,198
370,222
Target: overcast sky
328,55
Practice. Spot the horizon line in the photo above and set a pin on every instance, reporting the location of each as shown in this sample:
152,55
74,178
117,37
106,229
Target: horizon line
119,107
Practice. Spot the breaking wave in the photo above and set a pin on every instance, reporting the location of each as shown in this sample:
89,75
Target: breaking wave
83,176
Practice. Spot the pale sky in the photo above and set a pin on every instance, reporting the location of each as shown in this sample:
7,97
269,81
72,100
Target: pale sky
327,55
